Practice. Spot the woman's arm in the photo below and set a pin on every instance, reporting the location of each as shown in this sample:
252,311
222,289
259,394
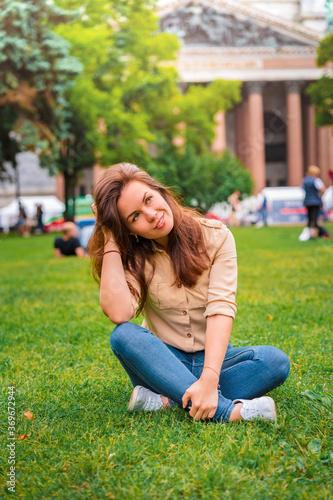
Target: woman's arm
322,190
115,296
320,186
203,393
220,310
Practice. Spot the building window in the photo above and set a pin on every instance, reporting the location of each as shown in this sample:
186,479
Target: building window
275,153
275,138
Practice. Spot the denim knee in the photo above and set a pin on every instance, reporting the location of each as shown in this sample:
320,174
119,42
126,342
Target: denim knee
283,365
120,335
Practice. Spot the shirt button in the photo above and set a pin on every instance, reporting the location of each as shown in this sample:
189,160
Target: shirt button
184,312
189,335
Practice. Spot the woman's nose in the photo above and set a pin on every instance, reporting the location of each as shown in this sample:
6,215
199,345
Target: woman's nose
151,214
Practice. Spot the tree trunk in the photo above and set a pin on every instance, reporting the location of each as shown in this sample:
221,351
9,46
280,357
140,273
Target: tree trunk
70,182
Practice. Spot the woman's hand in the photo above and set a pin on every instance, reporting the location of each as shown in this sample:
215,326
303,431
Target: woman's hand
108,236
203,393
203,396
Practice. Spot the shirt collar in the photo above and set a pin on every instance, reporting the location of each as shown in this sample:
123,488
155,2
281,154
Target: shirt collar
156,248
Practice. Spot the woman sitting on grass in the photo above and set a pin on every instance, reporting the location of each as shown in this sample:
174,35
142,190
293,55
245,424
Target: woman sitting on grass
153,256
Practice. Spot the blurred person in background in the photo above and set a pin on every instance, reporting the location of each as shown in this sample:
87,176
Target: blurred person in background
22,223
314,189
39,219
69,244
234,218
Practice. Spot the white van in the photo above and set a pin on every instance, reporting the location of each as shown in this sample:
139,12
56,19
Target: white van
284,205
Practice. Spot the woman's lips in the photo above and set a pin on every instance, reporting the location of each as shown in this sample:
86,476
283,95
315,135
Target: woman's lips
160,223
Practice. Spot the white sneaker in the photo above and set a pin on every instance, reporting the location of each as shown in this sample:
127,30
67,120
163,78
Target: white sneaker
258,408
144,399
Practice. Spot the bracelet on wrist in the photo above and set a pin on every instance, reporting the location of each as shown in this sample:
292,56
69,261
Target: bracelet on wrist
216,373
110,251
213,369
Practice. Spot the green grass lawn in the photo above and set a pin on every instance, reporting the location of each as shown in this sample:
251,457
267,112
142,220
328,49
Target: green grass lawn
83,444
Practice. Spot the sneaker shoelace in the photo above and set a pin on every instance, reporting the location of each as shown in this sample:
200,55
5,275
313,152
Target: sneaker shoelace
153,403
250,408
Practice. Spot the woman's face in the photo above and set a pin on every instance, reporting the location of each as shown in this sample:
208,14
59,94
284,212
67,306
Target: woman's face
145,212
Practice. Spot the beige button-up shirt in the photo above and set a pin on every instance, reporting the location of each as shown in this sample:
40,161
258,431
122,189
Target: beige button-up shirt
177,314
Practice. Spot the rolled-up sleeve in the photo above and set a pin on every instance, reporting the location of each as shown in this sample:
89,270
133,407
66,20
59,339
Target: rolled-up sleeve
223,279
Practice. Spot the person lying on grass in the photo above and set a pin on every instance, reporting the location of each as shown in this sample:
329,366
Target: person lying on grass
69,244
155,257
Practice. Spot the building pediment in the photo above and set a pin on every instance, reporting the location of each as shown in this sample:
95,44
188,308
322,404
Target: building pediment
226,23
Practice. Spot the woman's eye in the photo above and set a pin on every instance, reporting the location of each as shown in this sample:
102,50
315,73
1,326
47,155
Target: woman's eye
135,217
148,199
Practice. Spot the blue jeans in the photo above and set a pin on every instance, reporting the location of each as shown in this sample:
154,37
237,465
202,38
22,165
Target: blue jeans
246,373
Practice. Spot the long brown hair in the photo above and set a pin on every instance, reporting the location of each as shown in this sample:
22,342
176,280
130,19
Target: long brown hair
186,246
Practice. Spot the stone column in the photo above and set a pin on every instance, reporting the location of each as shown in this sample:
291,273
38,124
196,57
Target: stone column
240,132
294,134
256,140
330,156
324,147
245,143
220,142
311,136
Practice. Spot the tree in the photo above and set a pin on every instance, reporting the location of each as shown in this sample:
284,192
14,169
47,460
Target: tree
321,92
198,107
121,87
135,108
199,176
123,95
202,180
36,70
125,105
134,95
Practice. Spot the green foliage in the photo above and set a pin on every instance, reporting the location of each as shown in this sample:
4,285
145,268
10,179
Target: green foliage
83,443
198,107
122,96
125,105
132,91
36,70
321,92
325,50
127,98
202,180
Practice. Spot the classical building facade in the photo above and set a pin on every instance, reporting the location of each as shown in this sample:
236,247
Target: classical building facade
311,14
272,131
